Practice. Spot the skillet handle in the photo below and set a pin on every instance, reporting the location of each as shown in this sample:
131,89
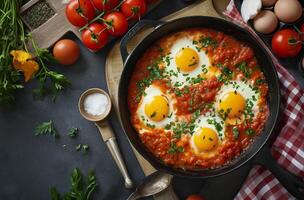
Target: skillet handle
133,31
293,183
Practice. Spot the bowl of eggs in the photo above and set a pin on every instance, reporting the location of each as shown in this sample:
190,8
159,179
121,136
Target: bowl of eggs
199,97
276,21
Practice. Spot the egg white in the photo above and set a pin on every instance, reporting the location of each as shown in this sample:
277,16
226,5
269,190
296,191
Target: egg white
179,78
150,93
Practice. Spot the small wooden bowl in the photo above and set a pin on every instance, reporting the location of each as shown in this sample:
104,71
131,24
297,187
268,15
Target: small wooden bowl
90,117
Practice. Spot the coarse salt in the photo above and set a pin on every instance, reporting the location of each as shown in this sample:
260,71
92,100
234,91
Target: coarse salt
96,104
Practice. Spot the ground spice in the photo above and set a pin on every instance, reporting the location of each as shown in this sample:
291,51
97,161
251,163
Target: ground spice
39,13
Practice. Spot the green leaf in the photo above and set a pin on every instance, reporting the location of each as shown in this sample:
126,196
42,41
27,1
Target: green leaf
46,128
81,188
73,132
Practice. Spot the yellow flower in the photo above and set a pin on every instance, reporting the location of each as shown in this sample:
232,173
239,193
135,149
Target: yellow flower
24,62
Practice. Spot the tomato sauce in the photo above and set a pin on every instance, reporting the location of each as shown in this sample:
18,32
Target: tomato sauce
228,52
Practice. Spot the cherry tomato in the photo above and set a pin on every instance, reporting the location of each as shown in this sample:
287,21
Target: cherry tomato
134,9
78,14
117,23
194,197
95,37
105,4
66,51
286,43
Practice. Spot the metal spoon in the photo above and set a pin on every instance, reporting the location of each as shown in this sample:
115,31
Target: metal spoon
152,185
106,132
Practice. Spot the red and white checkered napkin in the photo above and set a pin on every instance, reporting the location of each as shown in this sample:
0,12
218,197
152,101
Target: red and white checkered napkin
288,147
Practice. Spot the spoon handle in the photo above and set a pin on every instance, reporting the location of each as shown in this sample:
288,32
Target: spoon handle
134,196
110,140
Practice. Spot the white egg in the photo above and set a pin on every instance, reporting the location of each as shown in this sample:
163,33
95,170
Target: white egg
185,63
156,109
235,100
208,134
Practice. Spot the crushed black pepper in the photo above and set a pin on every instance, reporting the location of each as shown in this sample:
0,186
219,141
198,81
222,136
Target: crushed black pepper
38,14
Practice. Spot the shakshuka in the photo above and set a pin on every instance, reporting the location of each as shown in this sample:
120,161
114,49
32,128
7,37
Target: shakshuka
197,98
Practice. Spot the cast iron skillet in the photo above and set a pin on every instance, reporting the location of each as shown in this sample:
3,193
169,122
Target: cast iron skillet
292,183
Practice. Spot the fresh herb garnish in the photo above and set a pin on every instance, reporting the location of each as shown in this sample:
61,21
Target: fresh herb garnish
182,128
235,132
83,147
260,81
73,132
154,73
244,69
204,69
46,128
174,149
153,114
81,188
78,147
248,113
250,132
226,74
58,82
216,124
208,41
195,80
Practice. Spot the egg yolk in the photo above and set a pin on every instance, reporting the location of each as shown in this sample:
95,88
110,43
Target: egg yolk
157,109
186,59
206,139
232,105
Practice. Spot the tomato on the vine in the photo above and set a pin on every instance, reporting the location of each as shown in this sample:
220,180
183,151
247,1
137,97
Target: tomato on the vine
194,197
95,36
117,23
134,9
286,43
79,12
105,4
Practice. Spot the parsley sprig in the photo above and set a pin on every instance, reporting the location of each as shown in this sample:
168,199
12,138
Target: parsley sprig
80,189
73,132
46,128
58,82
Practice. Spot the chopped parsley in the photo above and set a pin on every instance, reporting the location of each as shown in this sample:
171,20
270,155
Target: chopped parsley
182,128
175,149
167,60
216,124
208,41
153,114
226,74
224,113
73,132
195,80
155,74
250,132
192,64
204,69
260,81
244,69
248,113
235,132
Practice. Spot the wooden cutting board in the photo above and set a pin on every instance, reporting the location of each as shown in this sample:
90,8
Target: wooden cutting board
114,66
